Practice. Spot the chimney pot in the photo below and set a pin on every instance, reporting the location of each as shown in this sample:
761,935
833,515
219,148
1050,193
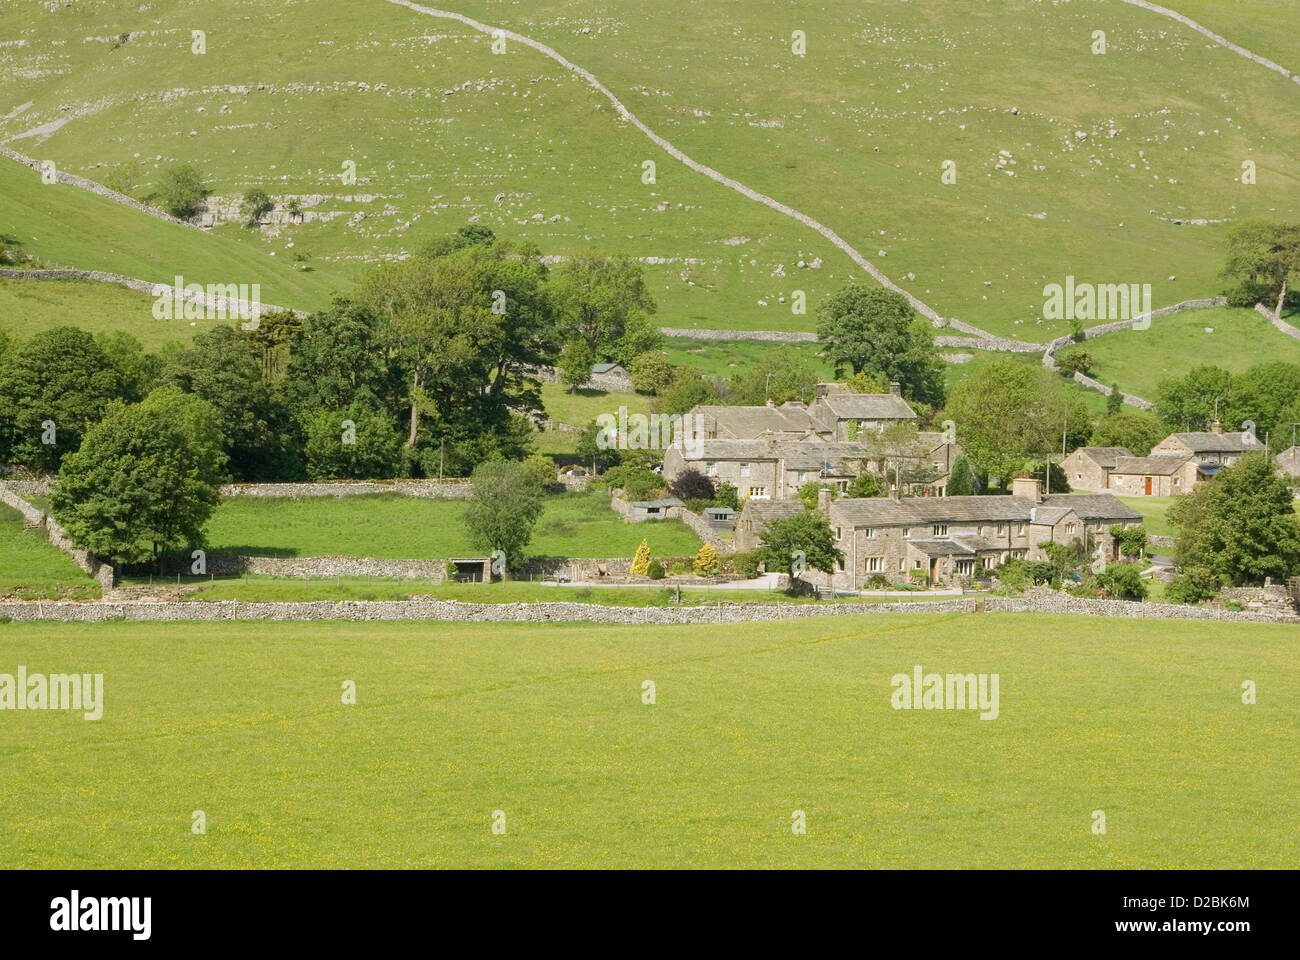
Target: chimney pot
824,500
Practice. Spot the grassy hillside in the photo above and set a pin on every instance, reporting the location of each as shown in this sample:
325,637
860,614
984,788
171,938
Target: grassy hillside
1108,150
545,722
1232,339
69,227
32,568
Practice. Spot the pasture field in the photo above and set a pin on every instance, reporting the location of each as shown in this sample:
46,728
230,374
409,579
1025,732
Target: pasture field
1233,339
68,227
30,306
384,525
580,407
1142,720
1123,167
32,568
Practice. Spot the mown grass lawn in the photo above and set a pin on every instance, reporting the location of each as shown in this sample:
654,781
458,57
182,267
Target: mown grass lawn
1154,512
1140,719
32,568
572,525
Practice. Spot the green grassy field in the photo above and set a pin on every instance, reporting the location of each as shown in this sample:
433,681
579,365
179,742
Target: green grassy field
572,525
32,568
729,358
1154,510
1108,150
545,722
1233,339
29,306
69,227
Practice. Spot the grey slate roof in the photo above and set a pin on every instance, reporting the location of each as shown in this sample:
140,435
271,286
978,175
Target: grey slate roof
763,512
1156,465
1094,507
750,422
885,511
1211,442
1104,456
868,406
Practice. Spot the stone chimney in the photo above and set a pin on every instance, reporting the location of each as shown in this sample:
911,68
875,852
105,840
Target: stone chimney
1028,488
824,500
895,388
1216,426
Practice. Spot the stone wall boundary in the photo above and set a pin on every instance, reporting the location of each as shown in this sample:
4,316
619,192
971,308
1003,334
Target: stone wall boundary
84,559
213,302
570,612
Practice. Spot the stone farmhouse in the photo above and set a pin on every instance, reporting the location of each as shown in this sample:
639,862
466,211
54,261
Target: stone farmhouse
1288,464
1176,464
768,468
769,452
941,541
1210,447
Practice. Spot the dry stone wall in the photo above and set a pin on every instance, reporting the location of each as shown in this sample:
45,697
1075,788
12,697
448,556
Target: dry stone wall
453,611
33,517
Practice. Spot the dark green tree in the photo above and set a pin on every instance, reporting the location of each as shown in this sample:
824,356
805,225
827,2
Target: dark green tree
503,508
1242,527
142,481
872,330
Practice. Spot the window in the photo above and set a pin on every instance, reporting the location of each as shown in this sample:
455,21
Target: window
1069,529
940,530
1020,529
758,493
868,532
1002,529
710,468
901,566
918,564
838,534
965,567
744,471
873,564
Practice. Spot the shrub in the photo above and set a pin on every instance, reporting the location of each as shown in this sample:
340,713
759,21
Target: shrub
256,205
1193,585
641,562
680,569
727,496
651,372
182,191
543,468
745,565
692,485
809,491
877,581
637,483
1072,361
1122,581
706,561
1132,540
655,571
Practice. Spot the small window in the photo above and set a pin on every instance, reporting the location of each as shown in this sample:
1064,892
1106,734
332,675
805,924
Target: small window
873,564
759,493
744,471
940,530
711,468
868,532
839,535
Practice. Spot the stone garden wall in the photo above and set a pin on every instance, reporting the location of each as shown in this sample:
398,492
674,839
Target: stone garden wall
450,488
